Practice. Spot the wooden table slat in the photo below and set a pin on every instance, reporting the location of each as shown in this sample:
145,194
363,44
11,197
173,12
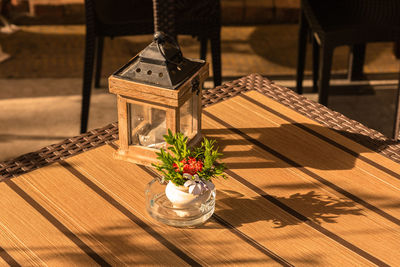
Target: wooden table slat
91,163
269,136
81,213
29,238
298,193
197,243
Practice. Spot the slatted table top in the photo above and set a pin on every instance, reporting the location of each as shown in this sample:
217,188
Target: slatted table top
298,193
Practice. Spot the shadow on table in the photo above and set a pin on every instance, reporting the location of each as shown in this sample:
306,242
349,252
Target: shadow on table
311,205
289,145
123,244
126,244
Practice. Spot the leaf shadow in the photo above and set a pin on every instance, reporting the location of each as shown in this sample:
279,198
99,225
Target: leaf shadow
318,208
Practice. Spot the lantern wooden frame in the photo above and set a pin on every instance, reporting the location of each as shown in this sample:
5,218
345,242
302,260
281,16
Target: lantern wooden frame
169,100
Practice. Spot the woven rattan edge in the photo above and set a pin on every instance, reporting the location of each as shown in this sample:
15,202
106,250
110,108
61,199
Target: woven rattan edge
58,152
319,113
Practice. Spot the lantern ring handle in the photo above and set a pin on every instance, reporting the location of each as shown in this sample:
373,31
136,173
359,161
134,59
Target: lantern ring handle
161,37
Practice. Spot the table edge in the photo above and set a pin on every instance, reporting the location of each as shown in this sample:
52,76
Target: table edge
352,129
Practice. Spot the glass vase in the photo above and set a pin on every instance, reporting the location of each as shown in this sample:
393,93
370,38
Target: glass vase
179,208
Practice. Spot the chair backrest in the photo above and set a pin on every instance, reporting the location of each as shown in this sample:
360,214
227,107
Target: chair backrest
366,13
121,11
169,16
161,12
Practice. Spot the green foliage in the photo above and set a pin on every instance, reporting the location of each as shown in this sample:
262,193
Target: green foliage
171,165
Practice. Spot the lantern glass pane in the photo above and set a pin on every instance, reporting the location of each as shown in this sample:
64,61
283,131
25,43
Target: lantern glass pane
147,126
188,117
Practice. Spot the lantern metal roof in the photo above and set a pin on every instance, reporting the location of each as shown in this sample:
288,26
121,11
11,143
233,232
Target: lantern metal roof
161,63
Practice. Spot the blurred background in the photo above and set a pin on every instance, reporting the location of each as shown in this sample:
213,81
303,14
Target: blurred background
42,67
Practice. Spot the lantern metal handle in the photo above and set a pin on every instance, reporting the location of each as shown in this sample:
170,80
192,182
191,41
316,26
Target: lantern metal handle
160,38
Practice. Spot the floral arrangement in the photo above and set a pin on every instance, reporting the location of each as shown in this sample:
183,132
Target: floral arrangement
190,167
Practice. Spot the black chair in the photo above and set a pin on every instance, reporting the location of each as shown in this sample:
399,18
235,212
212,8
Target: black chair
106,18
333,23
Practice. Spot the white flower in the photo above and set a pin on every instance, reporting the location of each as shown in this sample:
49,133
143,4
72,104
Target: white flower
195,189
187,176
196,178
189,183
197,185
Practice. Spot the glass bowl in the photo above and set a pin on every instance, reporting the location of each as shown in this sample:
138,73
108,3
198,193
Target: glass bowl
160,207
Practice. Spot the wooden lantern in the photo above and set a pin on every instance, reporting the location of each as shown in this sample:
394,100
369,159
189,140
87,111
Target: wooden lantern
157,90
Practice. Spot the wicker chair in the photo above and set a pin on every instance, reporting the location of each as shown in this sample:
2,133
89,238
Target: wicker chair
106,18
333,23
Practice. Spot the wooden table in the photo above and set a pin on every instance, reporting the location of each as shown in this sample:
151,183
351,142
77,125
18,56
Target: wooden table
298,193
